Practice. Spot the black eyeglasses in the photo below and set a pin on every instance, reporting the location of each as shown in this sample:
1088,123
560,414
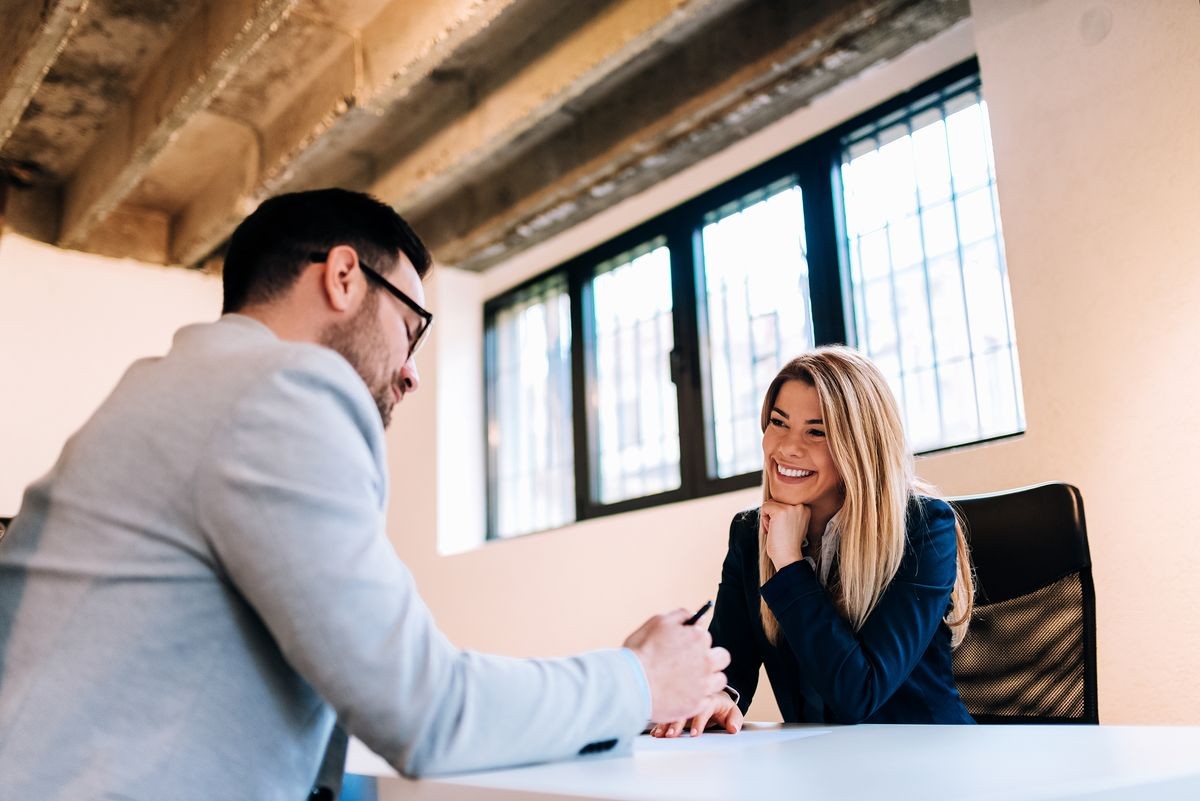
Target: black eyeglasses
426,316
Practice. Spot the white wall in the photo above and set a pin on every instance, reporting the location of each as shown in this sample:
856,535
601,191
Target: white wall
1095,109
70,324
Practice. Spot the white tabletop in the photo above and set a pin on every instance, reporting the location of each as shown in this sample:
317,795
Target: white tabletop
892,763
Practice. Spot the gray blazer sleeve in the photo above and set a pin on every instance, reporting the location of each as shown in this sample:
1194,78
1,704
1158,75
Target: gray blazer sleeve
291,498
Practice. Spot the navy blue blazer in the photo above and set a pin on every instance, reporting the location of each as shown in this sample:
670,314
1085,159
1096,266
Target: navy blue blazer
895,669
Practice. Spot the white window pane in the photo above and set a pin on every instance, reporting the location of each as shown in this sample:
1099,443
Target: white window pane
905,239
983,280
873,252
976,217
956,384
632,401
949,313
997,412
880,331
941,236
968,155
920,394
912,307
931,163
757,311
897,187
531,452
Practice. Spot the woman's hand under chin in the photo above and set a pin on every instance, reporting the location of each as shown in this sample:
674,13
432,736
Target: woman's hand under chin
786,526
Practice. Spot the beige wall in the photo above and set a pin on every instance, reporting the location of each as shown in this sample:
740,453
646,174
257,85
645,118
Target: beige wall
70,324
1095,124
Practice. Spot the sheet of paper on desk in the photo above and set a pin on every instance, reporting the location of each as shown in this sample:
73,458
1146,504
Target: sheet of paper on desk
362,761
648,746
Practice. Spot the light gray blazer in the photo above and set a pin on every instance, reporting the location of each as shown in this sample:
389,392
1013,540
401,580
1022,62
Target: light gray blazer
202,583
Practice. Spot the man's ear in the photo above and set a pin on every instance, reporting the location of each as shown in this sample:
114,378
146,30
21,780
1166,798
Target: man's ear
339,278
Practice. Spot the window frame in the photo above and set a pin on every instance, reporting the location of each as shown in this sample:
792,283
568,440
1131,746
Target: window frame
815,165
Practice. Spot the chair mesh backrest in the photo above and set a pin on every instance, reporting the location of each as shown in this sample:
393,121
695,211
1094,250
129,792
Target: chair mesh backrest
1030,653
1024,657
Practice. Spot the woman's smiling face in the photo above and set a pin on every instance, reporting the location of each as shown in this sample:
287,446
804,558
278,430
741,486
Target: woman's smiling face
800,468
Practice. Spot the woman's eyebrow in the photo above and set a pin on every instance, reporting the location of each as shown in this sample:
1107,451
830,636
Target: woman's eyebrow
818,422
780,412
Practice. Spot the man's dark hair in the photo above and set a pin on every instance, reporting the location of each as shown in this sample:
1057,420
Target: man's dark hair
272,246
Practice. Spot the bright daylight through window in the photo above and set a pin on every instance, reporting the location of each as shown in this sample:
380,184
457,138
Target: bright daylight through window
884,234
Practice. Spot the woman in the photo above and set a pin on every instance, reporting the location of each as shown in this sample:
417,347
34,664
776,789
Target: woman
850,583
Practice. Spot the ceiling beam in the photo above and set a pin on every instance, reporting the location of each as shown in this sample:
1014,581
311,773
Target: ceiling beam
33,34
397,52
226,193
209,50
32,212
583,62
135,233
757,65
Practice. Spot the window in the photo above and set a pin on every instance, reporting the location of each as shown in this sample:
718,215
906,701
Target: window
755,315
632,406
883,234
529,438
927,275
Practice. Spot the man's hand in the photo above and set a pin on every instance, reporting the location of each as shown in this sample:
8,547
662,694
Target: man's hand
682,667
787,526
720,710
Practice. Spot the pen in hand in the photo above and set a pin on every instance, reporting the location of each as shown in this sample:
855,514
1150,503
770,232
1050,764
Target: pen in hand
691,621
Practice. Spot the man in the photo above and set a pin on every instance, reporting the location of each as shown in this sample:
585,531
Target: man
202,582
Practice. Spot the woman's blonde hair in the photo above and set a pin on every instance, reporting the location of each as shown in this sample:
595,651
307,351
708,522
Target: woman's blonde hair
866,441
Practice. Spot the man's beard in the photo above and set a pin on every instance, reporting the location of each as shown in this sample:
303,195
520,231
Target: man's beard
361,343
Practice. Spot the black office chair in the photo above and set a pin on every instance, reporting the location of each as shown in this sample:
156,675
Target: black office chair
1030,654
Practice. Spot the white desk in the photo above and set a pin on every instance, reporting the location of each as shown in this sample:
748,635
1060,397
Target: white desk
890,763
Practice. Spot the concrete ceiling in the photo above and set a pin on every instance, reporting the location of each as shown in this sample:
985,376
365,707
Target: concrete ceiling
150,128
